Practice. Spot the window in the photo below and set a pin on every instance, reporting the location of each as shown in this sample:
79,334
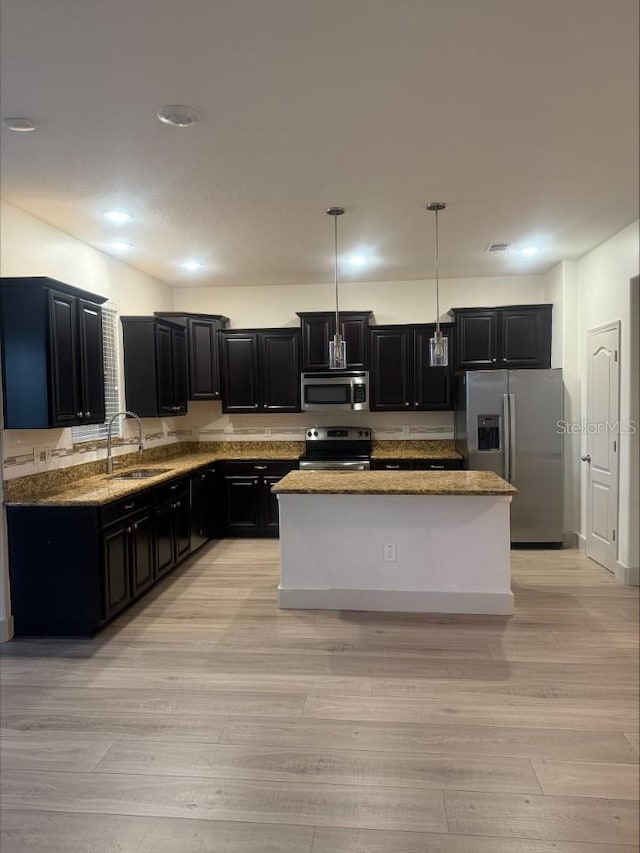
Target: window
95,432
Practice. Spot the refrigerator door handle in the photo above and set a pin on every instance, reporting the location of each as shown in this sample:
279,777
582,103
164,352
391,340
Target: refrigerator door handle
506,428
512,438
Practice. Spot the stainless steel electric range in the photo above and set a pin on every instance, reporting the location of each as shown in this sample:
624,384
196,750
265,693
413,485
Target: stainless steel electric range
337,449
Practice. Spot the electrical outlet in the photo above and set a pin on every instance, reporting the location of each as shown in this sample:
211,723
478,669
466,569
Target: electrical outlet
390,553
36,455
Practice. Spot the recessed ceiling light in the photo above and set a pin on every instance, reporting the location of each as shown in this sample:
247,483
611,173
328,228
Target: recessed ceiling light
177,115
358,260
120,246
192,265
19,125
117,216
529,250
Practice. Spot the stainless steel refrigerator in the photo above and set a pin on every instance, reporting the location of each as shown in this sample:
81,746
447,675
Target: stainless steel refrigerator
507,421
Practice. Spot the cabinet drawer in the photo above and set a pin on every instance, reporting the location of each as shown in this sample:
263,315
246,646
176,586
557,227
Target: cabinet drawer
170,490
391,464
437,464
118,510
258,467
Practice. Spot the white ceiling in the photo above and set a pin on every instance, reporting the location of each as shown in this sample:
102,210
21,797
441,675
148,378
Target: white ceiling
521,114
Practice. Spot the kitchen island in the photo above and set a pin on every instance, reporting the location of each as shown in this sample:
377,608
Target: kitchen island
408,541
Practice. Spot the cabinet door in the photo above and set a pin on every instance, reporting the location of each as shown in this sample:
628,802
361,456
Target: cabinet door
271,516
164,538
477,336
91,362
182,525
432,386
280,370
164,361
317,331
354,330
64,374
391,372
117,593
242,504
525,337
199,486
239,371
179,364
204,380
142,573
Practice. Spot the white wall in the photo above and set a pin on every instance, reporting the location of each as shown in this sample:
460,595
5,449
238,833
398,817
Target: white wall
391,301
604,294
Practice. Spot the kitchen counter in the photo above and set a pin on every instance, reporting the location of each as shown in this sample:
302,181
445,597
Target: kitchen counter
393,483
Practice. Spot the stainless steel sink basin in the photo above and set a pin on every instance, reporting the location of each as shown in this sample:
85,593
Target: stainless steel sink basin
138,473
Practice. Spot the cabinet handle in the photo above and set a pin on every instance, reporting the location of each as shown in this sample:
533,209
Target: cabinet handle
177,505
129,506
87,414
135,526
260,467
407,404
392,467
203,476
416,403
493,359
79,414
128,530
255,405
436,467
176,486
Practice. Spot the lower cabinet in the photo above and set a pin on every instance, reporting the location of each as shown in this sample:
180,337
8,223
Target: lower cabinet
416,464
172,525
128,562
205,520
249,507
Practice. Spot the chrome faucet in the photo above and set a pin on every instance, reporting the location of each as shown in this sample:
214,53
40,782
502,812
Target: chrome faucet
129,414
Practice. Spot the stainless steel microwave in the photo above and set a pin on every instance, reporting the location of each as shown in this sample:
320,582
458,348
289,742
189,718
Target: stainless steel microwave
328,391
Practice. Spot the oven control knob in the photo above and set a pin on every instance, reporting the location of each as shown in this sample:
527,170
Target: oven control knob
359,432
315,433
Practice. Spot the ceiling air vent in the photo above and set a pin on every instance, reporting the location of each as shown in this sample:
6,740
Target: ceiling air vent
492,248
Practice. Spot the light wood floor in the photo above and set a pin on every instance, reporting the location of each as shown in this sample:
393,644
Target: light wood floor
205,720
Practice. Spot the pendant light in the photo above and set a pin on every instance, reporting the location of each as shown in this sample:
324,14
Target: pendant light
338,346
438,345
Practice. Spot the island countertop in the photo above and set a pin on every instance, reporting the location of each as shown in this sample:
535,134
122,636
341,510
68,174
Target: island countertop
393,483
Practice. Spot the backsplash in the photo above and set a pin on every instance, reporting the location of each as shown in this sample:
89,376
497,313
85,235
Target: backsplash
29,452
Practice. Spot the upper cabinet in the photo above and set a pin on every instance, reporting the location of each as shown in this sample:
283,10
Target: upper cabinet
202,351
515,336
319,327
155,367
52,360
260,370
400,376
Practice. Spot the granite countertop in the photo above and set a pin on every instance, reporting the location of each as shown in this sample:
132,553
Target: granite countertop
100,489
420,449
393,483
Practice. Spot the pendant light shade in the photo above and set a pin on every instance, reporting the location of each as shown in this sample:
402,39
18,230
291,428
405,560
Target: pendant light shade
438,344
338,346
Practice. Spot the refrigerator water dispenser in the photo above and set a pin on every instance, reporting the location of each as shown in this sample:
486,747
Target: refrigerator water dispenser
488,432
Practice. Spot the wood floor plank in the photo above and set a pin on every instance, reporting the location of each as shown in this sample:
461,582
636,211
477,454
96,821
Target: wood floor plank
544,818
448,739
334,840
307,804
64,832
544,673
51,752
554,689
587,779
330,766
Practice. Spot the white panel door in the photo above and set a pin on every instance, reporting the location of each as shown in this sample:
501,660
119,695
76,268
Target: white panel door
602,443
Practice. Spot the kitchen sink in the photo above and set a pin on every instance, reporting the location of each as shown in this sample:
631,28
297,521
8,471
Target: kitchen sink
138,473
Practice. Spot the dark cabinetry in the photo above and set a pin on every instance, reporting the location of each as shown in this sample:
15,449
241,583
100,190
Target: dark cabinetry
260,370
401,378
319,327
250,509
515,336
52,358
205,511
155,367
416,464
202,351
128,560
172,525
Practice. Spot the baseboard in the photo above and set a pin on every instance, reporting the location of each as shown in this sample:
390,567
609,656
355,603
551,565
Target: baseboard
629,575
572,540
397,601
582,542
6,629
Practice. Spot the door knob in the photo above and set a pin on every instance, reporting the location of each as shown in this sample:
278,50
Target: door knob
586,457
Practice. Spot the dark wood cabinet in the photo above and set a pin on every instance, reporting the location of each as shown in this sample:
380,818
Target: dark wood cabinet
155,367
260,370
400,376
514,336
319,327
416,464
142,556
205,510
128,562
202,351
250,508
172,524
52,354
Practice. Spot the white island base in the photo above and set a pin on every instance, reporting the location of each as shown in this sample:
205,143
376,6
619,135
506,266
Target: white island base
452,553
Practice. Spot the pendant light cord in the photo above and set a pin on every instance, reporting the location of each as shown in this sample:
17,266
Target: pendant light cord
437,279
335,273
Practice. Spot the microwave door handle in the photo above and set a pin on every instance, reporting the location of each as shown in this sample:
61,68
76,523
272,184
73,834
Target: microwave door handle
506,441
512,438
